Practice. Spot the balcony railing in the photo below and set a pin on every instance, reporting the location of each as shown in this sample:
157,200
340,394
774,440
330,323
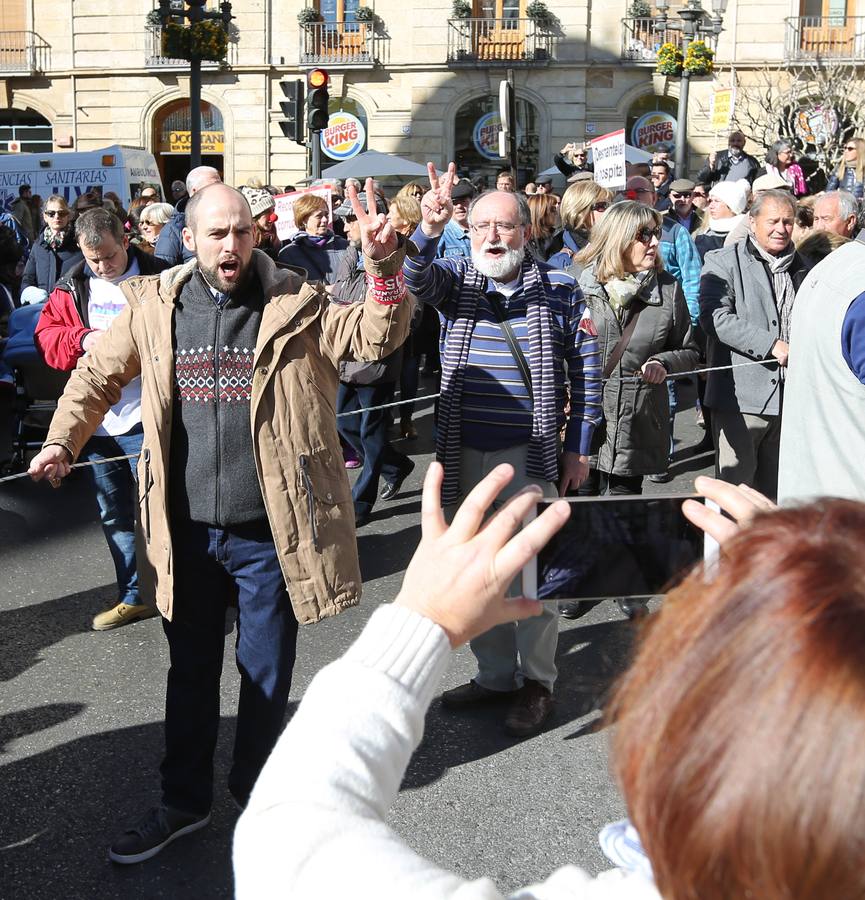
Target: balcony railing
155,60
489,42
349,44
640,41
23,53
825,37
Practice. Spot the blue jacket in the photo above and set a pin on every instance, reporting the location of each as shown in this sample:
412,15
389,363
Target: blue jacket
849,183
46,265
169,246
682,260
454,242
320,261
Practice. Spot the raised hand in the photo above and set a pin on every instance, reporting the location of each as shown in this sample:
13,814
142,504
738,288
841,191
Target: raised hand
458,575
377,236
435,205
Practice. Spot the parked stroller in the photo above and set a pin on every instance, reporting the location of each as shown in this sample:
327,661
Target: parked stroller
37,387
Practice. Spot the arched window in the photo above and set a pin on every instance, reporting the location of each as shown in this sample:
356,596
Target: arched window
476,140
26,131
172,139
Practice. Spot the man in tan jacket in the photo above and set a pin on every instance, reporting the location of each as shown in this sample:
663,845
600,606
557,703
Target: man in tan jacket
242,493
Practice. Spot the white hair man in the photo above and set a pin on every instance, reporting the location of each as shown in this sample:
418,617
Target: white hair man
512,327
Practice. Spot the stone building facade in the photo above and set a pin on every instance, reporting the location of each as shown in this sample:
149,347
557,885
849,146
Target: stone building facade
83,74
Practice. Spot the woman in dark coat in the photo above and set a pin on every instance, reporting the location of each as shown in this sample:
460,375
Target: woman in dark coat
55,249
315,247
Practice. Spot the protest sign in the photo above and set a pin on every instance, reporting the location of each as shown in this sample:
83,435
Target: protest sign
608,157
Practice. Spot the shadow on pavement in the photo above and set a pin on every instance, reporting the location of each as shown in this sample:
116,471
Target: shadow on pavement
57,512
33,628
385,554
62,808
589,658
16,725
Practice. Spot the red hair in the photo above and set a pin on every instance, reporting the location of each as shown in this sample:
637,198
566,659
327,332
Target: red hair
740,743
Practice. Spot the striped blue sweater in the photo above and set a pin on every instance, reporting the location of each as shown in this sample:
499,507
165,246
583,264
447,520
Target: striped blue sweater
495,407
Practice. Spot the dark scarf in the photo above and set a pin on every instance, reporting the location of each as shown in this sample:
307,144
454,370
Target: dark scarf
543,444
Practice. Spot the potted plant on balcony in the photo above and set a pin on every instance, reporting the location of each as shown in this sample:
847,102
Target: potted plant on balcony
153,20
640,9
365,14
541,15
461,9
670,60
699,60
309,15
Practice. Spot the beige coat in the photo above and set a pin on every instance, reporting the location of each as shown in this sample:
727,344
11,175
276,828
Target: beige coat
292,411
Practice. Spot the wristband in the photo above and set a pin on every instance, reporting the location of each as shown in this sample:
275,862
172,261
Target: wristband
388,290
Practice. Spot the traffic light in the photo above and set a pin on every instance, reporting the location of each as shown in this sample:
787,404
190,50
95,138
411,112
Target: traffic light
317,99
292,110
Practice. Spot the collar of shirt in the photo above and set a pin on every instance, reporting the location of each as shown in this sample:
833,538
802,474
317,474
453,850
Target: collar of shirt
219,298
506,290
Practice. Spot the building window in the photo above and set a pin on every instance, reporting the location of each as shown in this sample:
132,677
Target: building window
27,131
651,123
476,136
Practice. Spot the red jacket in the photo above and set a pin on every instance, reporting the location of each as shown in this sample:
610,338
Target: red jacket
63,323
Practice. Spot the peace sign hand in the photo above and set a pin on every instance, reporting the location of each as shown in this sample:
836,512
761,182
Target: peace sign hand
377,236
435,205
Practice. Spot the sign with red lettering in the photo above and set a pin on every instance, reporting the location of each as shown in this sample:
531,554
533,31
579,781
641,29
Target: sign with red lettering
653,132
344,136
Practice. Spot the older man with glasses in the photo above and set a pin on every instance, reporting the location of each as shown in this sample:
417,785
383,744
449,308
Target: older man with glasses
572,159
513,335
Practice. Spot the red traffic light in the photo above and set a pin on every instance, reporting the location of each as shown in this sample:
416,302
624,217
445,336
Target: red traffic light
317,78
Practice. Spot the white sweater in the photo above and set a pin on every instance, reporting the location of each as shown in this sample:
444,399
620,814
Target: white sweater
315,825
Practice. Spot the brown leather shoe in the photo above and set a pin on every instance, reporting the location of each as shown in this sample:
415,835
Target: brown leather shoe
530,709
473,694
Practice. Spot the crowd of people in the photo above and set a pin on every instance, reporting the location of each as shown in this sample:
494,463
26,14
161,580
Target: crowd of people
562,326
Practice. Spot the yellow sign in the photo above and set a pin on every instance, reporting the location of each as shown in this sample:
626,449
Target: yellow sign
211,141
722,109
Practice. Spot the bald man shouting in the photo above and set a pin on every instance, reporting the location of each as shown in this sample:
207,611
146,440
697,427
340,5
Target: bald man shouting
242,493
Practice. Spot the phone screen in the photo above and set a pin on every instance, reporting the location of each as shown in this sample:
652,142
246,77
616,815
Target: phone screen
616,547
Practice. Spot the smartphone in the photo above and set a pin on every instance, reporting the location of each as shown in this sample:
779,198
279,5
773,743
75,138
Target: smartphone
613,546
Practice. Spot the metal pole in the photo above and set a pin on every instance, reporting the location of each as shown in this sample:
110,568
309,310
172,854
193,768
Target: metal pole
682,126
512,124
195,112
315,139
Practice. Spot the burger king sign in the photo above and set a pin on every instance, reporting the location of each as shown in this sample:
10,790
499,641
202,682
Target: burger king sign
344,136
653,132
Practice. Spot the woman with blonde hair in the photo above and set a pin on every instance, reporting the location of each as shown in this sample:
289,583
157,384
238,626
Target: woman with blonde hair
582,206
644,329
55,250
315,247
543,209
412,189
850,175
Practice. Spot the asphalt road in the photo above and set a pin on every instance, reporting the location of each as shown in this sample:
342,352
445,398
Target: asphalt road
81,714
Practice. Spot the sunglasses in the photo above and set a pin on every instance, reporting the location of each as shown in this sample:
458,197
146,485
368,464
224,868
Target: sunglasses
600,207
699,194
683,195
645,235
53,213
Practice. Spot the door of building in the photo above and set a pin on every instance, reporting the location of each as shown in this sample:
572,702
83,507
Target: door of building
172,140
341,36
501,33
826,29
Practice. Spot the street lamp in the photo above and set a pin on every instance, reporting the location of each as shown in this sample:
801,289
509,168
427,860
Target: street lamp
196,13
696,23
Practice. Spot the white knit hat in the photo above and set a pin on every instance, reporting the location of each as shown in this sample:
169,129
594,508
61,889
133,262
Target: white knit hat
259,200
733,193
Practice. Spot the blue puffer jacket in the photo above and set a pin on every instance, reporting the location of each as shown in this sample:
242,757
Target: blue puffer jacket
321,261
45,264
847,183
169,246
682,260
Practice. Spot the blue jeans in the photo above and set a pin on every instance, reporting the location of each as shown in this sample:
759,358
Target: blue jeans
115,486
367,433
213,567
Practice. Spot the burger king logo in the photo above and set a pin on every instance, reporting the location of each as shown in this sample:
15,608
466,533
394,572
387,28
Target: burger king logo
653,132
344,136
485,135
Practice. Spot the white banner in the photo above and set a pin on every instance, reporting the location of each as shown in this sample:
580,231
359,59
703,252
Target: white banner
608,156
284,210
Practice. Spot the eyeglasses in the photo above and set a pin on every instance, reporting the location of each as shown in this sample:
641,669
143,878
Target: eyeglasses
699,194
500,227
600,207
52,213
683,195
645,235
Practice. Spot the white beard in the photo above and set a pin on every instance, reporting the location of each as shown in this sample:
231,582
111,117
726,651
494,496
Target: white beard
500,266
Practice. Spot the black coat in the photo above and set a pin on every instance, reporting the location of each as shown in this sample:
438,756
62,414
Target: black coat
722,167
46,265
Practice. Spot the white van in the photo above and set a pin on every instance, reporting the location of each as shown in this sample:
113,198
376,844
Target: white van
124,170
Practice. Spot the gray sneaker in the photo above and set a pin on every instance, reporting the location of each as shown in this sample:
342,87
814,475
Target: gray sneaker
155,830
